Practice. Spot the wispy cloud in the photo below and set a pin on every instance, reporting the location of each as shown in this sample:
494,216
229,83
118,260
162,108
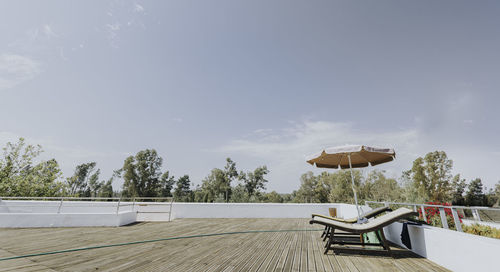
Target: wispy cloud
48,31
112,30
138,8
16,69
306,137
124,16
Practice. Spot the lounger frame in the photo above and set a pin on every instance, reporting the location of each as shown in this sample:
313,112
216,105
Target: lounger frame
352,230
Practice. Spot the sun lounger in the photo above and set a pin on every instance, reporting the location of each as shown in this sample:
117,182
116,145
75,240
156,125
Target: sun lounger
376,224
369,214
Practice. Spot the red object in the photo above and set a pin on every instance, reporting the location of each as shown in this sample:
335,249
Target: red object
430,212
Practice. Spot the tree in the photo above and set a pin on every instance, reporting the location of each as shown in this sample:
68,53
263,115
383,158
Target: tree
239,194
254,181
475,195
307,192
142,174
183,189
214,186
106,188
21,176
491,198
166,185
230,173
328,187
458,188
84,182
497,194
272,197
341,186
378,187
430,177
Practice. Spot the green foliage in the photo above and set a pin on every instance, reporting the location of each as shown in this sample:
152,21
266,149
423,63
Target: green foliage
475,195
21,176
458,186
430,177
272,197
493,196
337,187
308,191
106,189
183,191
142,175
482,230
240,194
341,186
216,187
378,187
166,185
497,193
436,221
254,181
314,189
85,181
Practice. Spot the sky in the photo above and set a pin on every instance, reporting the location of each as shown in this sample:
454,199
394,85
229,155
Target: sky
261,82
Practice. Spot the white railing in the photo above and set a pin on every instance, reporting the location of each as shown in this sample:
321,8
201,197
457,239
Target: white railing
56,204
442,214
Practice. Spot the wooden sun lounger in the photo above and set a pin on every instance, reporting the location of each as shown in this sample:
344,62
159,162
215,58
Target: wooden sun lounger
376,224
369,214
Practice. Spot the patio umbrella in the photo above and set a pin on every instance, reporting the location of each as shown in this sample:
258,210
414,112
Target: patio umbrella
351,156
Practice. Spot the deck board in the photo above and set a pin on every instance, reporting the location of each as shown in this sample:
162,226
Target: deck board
266,251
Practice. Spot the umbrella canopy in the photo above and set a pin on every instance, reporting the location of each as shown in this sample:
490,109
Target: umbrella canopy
351,156
361,156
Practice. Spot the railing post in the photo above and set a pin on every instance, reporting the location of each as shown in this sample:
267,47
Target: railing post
415,208
422,208
60,205
475,213
133,204
444,221
170,211
458,225
386,204
118,206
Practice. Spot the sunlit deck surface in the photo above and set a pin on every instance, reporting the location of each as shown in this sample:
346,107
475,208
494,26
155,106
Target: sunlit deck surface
280,251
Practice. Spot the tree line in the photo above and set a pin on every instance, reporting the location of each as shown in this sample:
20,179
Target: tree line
21,175
429,179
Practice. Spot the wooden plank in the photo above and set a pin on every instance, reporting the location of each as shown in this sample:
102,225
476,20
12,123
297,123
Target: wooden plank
280,251
265,262
329,263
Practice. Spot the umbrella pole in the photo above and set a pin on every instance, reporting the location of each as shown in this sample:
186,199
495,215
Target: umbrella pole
354,188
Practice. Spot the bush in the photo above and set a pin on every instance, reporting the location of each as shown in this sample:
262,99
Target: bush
482,230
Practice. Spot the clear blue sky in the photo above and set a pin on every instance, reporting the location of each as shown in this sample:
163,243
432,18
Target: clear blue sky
262,82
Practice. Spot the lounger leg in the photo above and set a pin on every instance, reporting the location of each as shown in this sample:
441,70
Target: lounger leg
330,240
362,240
384,241
324,232
327,236
327,233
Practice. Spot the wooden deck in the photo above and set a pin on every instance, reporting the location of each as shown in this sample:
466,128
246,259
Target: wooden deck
271,251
